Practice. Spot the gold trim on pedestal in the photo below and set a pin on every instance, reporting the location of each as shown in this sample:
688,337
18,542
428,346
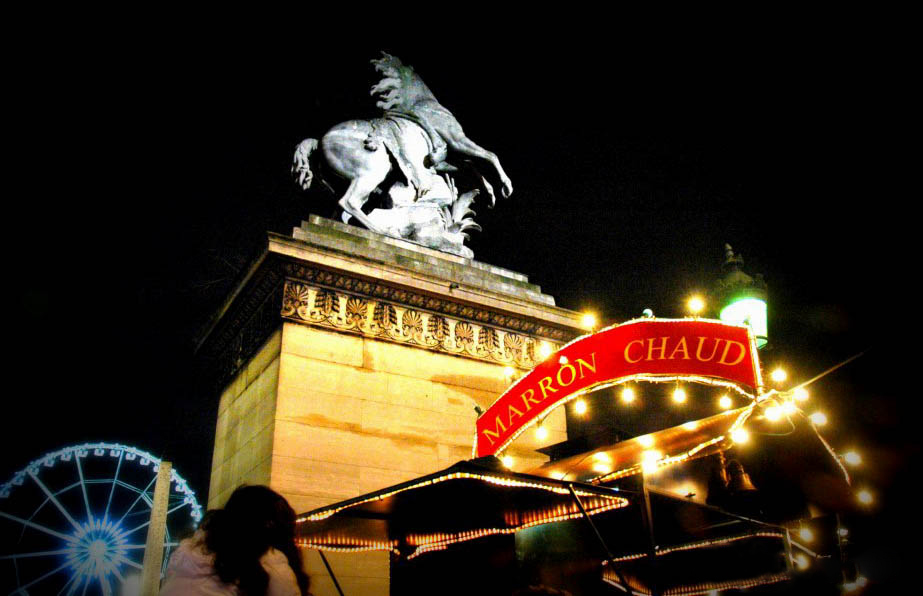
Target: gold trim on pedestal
372,317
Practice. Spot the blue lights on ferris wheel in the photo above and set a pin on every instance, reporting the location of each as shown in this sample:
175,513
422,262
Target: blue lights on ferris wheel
75,520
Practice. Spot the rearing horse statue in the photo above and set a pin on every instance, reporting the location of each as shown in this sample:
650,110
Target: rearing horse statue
418,139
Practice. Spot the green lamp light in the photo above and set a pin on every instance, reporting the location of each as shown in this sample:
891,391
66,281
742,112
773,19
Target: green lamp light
743,298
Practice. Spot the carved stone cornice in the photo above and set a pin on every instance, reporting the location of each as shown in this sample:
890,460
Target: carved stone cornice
244,325
419,301
311,285
398,322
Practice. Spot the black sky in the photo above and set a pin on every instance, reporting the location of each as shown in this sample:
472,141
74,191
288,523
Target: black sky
160,166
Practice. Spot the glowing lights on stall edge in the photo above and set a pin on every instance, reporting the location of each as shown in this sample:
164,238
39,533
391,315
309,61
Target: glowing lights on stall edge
779,404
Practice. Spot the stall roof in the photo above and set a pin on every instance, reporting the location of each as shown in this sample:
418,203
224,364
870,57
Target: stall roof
704,548
799,452
468,500
477,498
662,448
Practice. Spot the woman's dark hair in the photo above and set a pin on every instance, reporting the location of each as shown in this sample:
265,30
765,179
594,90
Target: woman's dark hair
254,519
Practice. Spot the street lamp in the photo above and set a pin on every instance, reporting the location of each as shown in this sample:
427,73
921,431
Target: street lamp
742,298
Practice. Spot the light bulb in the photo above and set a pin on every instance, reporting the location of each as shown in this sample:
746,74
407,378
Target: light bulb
602,467
651,455
628,395
588,321
544,350
818,418
773,413
695,304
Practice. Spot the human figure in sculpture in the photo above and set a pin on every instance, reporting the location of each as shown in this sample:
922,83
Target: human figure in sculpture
404,95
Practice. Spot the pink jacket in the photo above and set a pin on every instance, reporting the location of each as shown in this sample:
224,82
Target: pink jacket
190,573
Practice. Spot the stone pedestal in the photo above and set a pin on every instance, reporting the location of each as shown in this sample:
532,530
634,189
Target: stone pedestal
347,361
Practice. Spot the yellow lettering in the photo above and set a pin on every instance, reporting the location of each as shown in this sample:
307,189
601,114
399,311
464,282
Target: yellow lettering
698,350
662,347
545,383
529,396
628,347
510,413
573,375
498,428
727,347
581,363
681,344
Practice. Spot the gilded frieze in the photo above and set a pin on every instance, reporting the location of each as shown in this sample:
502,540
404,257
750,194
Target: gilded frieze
409,323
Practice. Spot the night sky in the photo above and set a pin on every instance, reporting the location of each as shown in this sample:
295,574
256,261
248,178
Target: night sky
633,163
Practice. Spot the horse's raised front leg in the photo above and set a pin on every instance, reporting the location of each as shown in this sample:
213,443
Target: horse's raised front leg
461,143
354,199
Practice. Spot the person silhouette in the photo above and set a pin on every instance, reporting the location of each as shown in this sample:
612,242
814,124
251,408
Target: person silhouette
246,549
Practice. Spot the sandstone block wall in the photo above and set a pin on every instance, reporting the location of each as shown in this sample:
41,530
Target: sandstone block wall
246,424
363,360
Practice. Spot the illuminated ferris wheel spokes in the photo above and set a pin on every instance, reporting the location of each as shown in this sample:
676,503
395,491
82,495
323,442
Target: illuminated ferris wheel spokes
87,532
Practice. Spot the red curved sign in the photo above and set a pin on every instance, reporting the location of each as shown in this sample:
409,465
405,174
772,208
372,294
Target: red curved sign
645,348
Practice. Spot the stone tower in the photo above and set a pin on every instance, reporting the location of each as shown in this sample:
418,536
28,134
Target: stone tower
347,361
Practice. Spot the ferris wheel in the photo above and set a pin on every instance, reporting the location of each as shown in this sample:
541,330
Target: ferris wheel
75,520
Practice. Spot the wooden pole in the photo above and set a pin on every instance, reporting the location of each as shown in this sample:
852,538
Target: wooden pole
648,521
330,571
153,548
599,537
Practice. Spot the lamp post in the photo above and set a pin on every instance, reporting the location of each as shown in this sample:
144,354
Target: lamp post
741,298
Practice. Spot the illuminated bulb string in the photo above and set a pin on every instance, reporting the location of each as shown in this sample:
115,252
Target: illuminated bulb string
596,503
660,463
449,539
371,546
772,393
700,544
801,386
639,377
605,385
802,547
697,589
674,459
496,480
833,455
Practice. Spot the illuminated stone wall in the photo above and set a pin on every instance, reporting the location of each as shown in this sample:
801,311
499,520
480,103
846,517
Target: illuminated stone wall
347,363
355,414
246,422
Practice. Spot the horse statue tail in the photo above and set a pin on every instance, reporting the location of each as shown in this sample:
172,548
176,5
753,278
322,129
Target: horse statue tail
301,164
